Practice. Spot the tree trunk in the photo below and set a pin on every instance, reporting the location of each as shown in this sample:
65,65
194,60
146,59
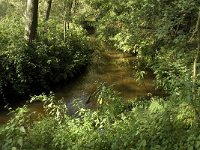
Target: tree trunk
47,13
31,20
194,90
68,6
69,13
196,57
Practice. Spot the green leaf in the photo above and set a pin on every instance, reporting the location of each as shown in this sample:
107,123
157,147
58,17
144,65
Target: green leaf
20,142
14,148
155,106
22,129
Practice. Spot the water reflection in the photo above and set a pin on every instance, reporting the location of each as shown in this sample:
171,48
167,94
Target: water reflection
109,66
112,67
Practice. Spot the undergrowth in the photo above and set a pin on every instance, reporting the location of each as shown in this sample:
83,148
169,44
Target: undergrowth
116,124
32,69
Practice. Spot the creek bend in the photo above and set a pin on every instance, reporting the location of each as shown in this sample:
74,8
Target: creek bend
110,66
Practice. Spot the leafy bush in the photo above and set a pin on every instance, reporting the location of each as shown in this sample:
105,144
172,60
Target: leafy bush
154,124
28,69
159,33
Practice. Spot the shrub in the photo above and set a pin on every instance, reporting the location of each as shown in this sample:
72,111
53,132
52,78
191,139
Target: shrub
29,69
154,124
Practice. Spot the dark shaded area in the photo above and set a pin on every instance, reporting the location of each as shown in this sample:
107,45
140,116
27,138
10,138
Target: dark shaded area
89,26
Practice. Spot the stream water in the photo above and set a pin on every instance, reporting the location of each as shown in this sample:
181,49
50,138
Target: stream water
110,66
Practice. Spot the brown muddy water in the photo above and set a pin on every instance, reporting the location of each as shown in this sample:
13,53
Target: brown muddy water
109,66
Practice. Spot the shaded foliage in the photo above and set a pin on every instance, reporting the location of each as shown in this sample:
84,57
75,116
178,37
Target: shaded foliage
154,124
28,69
161,35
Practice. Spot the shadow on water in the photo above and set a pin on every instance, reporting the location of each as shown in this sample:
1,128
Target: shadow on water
110,66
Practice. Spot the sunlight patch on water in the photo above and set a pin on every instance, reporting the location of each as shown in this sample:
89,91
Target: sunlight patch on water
112,67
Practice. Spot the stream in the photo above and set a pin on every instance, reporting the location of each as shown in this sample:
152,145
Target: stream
108,66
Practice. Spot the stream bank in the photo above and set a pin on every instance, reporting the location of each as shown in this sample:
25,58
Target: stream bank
107,66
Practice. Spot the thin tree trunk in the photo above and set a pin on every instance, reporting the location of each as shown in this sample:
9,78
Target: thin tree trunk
69,13
194,90
47,13
67,16
31,20
196,58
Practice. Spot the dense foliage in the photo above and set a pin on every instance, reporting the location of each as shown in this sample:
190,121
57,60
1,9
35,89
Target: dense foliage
164,36
154,124
29,69
158,32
